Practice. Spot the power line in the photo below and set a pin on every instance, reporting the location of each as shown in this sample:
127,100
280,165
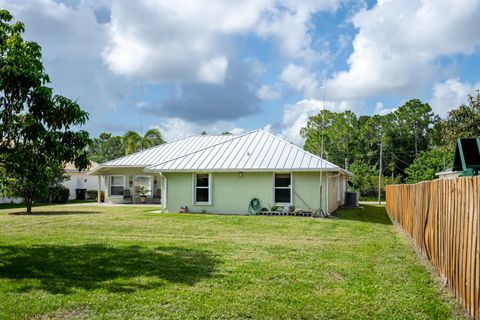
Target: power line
400,159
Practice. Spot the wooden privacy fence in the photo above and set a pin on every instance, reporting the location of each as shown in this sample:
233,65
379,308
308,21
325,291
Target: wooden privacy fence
443,218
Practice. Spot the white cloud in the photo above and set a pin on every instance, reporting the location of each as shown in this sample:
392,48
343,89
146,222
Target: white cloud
176,128
451,94
268,93
399,43
295,117
214,70
300,79
71,41
290,27
190,41
381,110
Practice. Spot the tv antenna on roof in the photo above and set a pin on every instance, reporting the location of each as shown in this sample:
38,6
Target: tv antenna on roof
322,129
141,132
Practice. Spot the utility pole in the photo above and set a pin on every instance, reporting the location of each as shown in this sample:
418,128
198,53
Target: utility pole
346,163
416,140
380,173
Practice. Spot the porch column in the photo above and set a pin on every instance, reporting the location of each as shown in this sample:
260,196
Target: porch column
99,192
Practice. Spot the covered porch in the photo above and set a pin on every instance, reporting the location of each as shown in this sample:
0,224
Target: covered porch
131,185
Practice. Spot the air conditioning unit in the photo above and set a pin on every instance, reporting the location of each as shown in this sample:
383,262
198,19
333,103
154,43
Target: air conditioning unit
351,199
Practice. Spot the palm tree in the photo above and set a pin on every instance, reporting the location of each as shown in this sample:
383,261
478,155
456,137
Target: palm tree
134,142
152,138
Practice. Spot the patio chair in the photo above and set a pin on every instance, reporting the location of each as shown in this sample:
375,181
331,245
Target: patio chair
127,196
157,196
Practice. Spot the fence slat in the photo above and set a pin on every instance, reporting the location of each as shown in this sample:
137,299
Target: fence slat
443,219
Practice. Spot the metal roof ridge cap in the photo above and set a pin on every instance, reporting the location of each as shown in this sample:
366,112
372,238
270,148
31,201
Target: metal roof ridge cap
203,149
136,153
311,154
159,145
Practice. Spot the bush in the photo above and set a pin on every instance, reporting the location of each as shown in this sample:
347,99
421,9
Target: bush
60,195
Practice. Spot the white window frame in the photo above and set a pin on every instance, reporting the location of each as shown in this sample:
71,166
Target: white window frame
151,183
289,187
194,191
110,185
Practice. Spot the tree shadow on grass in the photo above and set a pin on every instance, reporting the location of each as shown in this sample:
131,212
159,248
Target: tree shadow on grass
52,213
62,269
368,213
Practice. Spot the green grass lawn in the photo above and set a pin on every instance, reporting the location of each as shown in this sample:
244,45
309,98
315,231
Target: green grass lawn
101,262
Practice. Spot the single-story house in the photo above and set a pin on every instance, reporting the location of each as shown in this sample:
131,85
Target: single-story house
76,180
448,173
80,180
222,174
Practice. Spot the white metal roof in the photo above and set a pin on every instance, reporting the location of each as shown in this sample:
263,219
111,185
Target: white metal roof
167,151
255,151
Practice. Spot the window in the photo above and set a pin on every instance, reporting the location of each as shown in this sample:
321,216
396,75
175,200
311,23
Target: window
202,188
117,184
283,188
143,185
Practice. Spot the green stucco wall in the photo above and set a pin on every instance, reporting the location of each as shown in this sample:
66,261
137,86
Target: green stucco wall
306,190
232,193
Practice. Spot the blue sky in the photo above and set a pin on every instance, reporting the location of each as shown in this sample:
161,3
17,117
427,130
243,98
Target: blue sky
190,66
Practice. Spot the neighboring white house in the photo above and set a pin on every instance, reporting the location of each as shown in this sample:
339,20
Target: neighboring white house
77,180
448,174
80,180
10,200
222,174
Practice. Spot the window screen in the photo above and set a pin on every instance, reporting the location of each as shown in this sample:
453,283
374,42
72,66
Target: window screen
117,184
283,190
202,188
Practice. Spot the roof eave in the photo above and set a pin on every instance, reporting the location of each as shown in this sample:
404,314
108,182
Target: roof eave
153,170
94,172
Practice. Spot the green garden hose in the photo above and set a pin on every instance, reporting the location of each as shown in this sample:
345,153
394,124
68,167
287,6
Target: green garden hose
254,207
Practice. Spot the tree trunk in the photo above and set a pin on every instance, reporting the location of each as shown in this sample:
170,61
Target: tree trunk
28,203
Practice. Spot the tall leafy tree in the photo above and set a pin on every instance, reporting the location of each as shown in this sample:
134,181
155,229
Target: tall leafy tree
463,122
413,122
134,142
362,180
340,134
402,135
428,163
153,137
106,147
37,133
